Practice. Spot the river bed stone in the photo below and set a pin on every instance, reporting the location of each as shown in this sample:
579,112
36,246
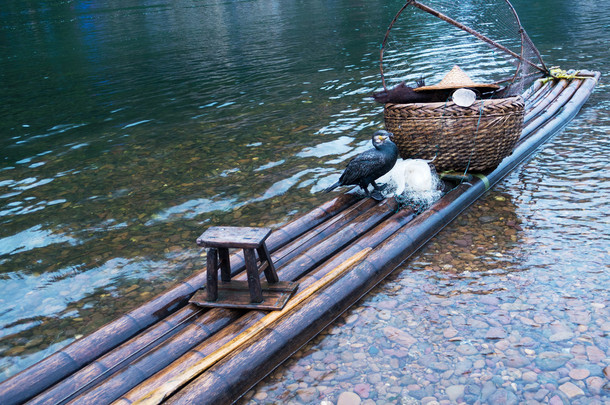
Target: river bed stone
571,390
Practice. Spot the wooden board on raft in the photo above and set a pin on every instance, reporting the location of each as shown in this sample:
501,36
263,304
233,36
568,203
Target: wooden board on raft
171,351
236,294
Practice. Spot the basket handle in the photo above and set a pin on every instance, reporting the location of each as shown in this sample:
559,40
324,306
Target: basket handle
385,39
469,30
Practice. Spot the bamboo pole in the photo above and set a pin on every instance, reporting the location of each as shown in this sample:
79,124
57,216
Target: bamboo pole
319,253
308,221
475,33
385,39
534,88
535,98
317,234
557,89
138,368
564,113
553,107
113,361
532,111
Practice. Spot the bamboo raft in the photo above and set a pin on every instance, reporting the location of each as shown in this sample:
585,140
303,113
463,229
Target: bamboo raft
170,351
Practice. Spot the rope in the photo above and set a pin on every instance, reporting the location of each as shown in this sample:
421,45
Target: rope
476,132
556,73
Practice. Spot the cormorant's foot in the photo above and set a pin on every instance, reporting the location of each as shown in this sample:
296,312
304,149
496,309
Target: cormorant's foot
379,187
377,196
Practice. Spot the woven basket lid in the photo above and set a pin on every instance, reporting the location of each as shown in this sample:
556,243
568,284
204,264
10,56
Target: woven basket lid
457,79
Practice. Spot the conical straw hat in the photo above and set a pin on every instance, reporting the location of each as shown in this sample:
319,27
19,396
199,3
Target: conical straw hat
457,79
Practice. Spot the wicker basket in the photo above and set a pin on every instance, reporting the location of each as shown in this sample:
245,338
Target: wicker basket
476,138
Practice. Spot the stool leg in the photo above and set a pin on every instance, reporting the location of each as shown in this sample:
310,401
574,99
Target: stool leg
254,282
225,264
212,275
270,273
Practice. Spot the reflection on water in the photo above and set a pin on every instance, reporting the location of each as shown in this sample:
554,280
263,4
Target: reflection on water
128,128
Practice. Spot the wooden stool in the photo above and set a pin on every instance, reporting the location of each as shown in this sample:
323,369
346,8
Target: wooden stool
271,295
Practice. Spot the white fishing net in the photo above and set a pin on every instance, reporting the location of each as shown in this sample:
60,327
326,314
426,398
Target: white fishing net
413,182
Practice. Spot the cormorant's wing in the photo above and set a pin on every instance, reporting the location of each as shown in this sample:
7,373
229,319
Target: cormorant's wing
361,166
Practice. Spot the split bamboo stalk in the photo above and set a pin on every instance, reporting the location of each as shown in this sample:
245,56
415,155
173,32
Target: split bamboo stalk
537,96
113,361
549,98
477,34
317,234
564,112
533,89
319,253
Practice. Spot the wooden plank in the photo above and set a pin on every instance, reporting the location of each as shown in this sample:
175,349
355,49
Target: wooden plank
254,281
237,285
236,294
267,264
225,264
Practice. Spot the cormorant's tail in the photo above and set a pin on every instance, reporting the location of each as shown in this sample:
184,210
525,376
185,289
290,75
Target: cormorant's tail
331,188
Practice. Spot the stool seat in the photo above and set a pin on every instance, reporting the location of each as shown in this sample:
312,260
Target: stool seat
233,236
218,240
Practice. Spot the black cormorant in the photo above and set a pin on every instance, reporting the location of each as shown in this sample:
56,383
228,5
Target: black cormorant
368,166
